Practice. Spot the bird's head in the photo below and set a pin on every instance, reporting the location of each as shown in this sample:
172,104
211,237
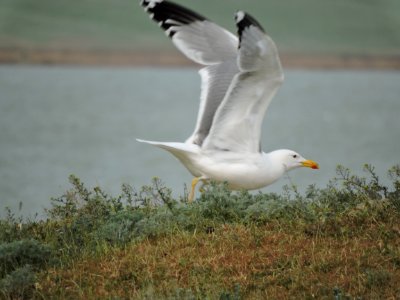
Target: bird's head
292,160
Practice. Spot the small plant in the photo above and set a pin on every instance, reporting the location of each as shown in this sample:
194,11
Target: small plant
19,260
377,278
21,253
19,284
235,295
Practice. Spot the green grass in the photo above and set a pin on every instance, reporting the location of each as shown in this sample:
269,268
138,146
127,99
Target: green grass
308,26
342,241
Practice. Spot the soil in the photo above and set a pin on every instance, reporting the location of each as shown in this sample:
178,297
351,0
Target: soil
167,59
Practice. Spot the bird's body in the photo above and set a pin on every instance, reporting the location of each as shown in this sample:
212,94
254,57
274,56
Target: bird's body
251,171
241,77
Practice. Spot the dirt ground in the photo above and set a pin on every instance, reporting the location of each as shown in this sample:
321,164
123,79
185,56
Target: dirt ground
126,58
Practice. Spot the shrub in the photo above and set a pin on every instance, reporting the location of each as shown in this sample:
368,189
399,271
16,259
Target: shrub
19,260
18,254
19,284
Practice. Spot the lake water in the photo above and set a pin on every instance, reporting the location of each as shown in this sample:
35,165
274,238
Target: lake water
57,121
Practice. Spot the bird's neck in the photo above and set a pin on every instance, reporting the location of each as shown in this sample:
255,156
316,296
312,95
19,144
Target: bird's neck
274,163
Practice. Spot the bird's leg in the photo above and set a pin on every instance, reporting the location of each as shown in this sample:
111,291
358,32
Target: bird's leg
194,183
204,182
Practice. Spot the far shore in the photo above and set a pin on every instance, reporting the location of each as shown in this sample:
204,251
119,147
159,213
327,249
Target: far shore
175,59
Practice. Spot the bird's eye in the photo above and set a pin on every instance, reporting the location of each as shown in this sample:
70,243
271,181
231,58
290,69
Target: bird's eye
294,155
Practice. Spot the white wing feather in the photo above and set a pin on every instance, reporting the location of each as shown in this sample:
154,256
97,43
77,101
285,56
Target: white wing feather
238,120
205,43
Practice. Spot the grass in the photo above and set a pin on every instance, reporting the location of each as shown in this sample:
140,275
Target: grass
340,242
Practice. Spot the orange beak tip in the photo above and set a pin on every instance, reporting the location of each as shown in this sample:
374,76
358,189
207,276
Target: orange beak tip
310,164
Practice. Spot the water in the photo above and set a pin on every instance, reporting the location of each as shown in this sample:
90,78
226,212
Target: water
57,121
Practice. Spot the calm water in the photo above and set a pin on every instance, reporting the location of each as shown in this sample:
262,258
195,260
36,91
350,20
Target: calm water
57,121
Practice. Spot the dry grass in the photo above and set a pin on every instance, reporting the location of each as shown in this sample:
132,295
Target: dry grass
267,262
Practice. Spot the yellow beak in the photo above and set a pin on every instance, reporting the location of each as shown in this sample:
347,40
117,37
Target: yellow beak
310,164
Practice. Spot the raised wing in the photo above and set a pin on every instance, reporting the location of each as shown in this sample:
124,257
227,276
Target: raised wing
205,43
237,122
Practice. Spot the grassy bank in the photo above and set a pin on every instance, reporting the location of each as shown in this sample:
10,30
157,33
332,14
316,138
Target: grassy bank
310,26
339,242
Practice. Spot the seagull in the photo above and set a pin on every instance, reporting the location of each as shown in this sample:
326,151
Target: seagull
241,75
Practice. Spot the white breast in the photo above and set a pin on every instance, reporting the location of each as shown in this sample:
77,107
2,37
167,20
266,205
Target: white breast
250,171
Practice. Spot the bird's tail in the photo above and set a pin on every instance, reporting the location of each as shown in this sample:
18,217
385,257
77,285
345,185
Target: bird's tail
185,152
173,147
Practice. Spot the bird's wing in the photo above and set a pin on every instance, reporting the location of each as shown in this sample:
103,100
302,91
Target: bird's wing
205,43
237,122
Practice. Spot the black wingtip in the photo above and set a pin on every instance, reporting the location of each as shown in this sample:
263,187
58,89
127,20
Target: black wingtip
244,20
168,14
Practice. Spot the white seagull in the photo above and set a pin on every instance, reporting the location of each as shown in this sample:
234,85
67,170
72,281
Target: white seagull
241,76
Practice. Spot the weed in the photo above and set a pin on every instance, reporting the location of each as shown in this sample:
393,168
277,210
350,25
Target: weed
377,278
18,254
19,284
19,260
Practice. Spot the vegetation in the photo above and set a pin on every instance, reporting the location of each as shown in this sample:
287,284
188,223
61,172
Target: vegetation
340,242
308,26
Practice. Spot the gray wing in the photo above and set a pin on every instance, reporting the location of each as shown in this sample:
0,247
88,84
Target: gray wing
205,43
238,120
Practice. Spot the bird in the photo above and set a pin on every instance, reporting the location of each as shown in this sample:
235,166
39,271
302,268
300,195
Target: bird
240,76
